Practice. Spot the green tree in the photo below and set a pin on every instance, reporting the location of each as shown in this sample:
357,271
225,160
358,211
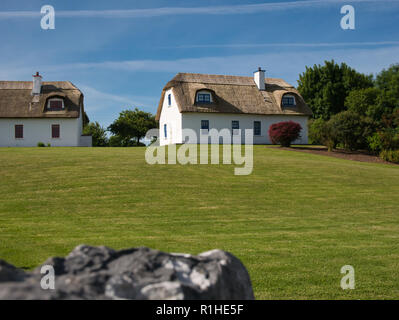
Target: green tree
388,81
131,126
326,87
98,133
362,100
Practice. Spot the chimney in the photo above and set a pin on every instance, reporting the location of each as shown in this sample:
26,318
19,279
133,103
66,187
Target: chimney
259,78
37,84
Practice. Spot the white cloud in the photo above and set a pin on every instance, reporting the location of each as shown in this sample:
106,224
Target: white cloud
208,10
285,45
285,64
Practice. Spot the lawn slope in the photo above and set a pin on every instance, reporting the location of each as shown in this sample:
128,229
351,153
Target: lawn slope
294,222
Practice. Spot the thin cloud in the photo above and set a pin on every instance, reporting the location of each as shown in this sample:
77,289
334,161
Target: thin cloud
293,44
283,64
208,10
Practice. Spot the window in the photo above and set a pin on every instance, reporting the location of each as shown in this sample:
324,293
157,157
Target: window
288,100
204,126
257,127
169,99
204,97
55,131
19,131
165,129
235,126
55,104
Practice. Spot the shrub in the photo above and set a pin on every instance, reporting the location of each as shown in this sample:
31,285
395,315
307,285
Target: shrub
316,131
390,155
98,134
375,143
41,145
350,129
49,145
284,133
330,135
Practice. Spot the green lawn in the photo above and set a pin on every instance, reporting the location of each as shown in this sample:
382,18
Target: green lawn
294,222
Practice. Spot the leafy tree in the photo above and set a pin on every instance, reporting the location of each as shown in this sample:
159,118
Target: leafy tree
284,133
131,126
118,141
361,100
388,81
98,133
326,87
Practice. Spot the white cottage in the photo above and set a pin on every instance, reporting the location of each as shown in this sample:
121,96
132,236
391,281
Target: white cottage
202,102
48,112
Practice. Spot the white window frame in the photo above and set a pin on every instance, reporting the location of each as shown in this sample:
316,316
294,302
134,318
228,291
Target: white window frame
288,96
204,92
55,99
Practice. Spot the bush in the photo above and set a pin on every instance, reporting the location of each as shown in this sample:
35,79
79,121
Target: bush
284,133
350,129
98,134
41,145
390,155
316,131
375,143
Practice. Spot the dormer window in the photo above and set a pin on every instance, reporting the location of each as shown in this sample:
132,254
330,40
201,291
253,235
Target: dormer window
204,97
288,101
55,104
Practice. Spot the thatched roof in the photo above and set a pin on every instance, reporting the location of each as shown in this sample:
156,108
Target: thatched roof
233,94
16,100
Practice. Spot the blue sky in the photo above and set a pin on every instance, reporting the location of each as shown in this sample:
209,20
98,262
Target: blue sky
121,53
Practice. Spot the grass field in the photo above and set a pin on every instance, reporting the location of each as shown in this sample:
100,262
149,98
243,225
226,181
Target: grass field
294,222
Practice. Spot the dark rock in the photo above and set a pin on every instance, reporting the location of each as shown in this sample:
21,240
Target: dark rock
139,273
10,273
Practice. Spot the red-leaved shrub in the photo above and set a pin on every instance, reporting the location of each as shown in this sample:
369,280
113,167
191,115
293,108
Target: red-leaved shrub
284,133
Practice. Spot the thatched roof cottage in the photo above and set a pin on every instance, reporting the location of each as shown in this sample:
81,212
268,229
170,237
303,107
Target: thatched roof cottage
36,111
203,101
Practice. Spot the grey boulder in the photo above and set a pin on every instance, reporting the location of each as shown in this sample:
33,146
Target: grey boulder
137,273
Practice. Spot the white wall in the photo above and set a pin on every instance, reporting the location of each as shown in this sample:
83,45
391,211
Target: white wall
222,121
39,130
170,116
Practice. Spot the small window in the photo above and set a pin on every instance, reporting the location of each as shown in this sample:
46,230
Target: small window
204,98
55,104
169,99
288,100
55,131
205,124
235,126
165,131
257,128
19,131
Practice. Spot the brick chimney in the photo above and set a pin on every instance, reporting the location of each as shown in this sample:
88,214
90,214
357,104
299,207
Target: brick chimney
259,78
37,84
